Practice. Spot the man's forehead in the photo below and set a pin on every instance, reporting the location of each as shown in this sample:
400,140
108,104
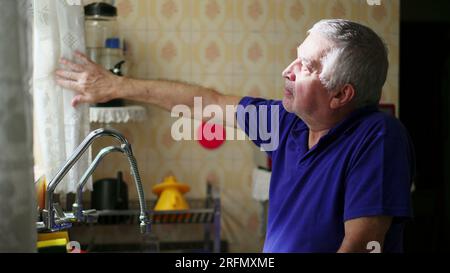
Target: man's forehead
308,60
313,48
302,55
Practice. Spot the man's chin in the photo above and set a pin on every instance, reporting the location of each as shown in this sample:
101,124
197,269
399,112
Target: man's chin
287,104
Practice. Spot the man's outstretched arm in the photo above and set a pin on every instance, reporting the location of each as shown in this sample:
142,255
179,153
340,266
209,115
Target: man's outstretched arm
94,84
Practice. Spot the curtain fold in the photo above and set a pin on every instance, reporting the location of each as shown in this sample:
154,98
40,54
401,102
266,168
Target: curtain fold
59,128
17,196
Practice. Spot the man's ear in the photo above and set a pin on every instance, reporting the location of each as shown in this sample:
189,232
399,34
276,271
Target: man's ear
342,96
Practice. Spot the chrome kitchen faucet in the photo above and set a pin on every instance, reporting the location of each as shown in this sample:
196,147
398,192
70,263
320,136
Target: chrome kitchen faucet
54,219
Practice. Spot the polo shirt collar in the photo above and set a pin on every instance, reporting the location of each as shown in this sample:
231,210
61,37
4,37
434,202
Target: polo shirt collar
345,125
341,128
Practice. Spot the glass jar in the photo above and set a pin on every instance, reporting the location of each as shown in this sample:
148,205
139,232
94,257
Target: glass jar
100,25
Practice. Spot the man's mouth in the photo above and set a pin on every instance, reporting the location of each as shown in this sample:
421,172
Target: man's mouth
289,88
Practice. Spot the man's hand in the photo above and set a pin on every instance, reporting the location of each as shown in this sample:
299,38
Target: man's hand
361,231
91,81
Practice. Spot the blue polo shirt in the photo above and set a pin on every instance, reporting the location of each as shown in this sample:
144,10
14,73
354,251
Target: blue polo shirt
363,167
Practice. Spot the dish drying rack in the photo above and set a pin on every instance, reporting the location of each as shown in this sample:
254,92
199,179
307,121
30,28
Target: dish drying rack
202,211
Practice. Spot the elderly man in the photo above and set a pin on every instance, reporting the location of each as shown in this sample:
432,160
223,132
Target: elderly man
342,170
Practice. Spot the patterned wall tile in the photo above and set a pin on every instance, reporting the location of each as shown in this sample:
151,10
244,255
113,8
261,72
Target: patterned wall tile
254,53
170,15
339,8
167,147
383,19
212,53
219,82
293,16
381,16
254,15
206,170
213,15
392,40
389,95
132,14
136,44
241,150
170,55
255,85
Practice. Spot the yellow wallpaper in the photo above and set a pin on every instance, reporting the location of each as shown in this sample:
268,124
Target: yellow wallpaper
238,47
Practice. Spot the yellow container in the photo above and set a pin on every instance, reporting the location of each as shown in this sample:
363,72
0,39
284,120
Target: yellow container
53,236
170,194
52,243
55,242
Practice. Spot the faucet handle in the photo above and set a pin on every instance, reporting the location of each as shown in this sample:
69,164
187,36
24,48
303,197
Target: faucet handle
59,211
90,216
89,212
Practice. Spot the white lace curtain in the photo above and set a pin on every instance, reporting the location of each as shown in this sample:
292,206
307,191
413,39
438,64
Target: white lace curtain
59,128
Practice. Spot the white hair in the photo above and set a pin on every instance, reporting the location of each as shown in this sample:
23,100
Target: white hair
358,57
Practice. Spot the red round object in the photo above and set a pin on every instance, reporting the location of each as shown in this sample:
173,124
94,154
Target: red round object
207,135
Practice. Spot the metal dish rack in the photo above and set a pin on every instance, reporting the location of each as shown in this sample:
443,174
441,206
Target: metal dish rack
202,211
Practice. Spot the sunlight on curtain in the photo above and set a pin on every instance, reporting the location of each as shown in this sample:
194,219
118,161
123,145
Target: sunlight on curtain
59,128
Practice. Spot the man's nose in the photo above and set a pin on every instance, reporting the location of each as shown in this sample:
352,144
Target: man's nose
288,73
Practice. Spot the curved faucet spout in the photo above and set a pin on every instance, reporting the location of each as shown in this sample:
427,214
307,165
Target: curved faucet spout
78,205
49,214
80,151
